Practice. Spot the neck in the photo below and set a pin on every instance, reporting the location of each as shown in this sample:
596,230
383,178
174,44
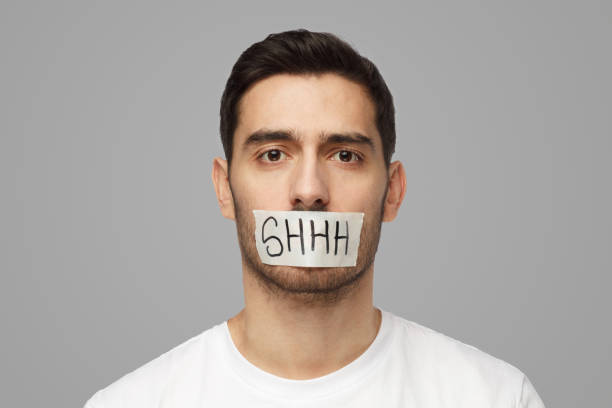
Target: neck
293,338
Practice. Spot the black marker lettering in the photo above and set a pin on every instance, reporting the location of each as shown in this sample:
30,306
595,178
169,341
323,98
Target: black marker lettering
313,235
337,237
264,240
289,236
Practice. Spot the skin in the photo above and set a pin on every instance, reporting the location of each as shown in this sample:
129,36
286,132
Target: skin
307,142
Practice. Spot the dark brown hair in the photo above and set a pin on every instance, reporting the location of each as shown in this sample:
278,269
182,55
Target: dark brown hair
305,52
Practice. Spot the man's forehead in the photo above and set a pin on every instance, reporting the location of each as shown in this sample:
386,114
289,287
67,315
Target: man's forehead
306,106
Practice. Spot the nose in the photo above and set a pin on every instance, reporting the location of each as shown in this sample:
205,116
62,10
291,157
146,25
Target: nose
309,189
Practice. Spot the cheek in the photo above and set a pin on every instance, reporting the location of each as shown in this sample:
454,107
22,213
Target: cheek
363,193
260,191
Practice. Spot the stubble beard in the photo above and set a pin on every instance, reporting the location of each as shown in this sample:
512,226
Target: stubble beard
313,286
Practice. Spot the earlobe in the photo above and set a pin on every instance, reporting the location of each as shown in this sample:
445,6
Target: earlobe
395,191
220,178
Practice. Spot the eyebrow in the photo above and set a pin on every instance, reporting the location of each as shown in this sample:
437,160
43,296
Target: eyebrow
264,135
347,138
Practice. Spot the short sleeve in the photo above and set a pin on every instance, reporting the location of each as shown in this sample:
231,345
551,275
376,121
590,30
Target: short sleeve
529,396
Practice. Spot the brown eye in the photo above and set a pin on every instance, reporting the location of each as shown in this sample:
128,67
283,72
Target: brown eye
272,155
346,156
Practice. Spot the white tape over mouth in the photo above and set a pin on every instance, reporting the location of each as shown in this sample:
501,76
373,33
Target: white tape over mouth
308,238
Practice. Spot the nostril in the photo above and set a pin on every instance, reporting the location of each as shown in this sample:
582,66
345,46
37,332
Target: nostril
317,205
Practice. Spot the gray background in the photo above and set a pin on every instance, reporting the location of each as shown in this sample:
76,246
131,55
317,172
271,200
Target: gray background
112,247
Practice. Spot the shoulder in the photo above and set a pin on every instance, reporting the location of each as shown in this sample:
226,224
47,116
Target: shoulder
144,386
449,353
456,367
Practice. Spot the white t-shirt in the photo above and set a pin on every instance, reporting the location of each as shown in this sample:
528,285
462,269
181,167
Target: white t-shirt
407,365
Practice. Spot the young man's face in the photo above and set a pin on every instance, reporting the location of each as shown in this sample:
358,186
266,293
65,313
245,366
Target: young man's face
307,143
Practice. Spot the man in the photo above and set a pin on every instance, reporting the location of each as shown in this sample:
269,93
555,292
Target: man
307,126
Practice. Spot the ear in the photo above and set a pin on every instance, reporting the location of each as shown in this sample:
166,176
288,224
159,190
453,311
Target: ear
220,179
395,191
